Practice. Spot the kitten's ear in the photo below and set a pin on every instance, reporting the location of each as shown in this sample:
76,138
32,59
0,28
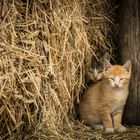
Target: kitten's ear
127,66
106,56
107,65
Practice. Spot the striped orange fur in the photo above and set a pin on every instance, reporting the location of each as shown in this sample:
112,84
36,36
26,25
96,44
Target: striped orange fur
102,104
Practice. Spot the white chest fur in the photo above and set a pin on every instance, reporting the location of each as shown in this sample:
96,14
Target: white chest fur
119,99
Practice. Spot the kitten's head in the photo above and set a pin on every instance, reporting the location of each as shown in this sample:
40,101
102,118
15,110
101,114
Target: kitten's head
116,75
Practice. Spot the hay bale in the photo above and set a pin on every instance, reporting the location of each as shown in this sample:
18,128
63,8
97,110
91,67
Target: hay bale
46,47
101,26
44,50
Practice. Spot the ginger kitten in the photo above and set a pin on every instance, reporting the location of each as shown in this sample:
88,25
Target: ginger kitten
102,104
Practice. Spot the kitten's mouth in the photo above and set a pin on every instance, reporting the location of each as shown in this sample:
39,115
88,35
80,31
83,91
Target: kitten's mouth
116,86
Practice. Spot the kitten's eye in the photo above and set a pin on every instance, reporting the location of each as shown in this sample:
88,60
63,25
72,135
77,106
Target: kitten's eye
112,79
121,79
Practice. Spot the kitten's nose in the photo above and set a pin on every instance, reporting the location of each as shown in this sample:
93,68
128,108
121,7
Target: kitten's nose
116,85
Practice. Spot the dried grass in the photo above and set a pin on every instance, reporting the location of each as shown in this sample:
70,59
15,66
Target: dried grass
101,26
80,132
45,49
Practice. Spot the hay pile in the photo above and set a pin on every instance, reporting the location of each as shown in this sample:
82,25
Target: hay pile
44,51
46,47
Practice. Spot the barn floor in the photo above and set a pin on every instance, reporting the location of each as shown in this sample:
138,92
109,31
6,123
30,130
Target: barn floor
80,132
132,133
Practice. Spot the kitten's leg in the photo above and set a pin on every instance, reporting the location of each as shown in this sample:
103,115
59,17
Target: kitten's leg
107,121
117,117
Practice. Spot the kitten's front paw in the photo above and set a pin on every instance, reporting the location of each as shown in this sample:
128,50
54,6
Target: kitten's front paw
109,130
98,127
121,129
